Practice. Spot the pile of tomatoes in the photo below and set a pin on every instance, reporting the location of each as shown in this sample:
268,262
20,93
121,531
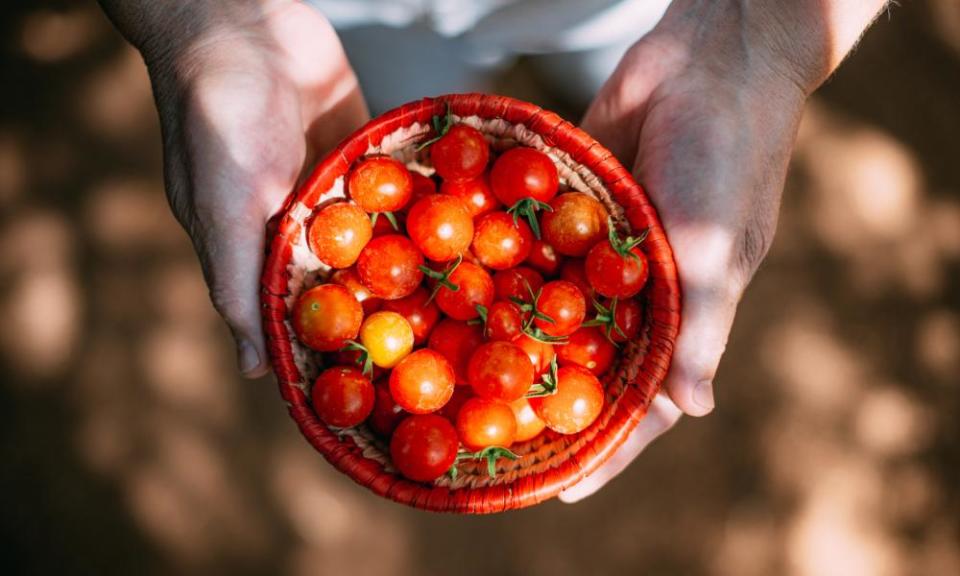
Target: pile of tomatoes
466,311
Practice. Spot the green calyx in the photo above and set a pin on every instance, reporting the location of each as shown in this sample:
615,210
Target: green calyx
548,382
606,317
530,310
442,278
390,218
363,360
527,208
624,246
482,312
441,125
491,454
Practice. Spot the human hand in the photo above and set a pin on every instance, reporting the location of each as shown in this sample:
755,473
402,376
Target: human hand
705,110
249,93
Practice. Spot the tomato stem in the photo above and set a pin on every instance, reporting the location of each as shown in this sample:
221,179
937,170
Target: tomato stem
491,454
606,317
548,382
625,246
527,208
442,278
363,359
390,216
440,128
482,312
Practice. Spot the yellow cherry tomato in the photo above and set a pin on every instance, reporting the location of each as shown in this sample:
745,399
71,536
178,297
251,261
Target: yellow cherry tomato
388,338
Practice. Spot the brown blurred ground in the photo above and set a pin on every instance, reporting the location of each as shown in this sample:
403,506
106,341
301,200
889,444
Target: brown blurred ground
129,445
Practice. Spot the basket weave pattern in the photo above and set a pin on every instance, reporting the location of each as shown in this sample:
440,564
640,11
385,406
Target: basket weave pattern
550,462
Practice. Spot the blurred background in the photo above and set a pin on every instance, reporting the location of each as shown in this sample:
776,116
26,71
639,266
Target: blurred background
130,445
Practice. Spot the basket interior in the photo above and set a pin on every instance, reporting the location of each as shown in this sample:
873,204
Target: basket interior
543,452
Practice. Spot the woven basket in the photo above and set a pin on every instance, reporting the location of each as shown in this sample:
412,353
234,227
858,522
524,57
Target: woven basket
550,462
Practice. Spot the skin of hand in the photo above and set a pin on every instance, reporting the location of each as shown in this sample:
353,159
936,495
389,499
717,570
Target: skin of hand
249,94
705,110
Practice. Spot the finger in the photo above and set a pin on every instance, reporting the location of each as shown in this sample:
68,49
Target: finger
710,295
660,418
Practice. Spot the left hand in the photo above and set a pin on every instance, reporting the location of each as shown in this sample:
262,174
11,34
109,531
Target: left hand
707,128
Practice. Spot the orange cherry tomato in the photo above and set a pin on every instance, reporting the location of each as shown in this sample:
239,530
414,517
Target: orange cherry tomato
390,266
422,382
474,286
575,405
440,226
499,242
564,304
482,423
575,224
380,184
338,233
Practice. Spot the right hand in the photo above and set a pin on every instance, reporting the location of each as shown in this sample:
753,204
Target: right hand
246,105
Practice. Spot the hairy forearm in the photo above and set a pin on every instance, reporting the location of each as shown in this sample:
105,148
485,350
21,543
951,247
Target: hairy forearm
803,40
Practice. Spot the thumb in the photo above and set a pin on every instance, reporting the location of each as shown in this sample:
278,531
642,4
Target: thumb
710,295
232,258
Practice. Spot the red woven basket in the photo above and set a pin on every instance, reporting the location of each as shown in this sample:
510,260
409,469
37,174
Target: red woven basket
550,462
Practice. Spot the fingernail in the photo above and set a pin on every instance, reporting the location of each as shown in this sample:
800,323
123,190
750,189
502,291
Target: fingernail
703,394
247,357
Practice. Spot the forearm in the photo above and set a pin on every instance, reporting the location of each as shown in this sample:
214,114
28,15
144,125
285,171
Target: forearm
804,40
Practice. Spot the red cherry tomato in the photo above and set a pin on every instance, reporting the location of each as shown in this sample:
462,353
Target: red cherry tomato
523,172
474,287
421,314
422,382
342,396
390,266
540,354
572,271
614,275
588,347
440,226
564,304
575,405
386,412
460,154
451,409
349,279
424,447
475,193
529,425
577,222
338,233
504,321
457,341
380,184
628,317
501,243
482,423
500,371
326,316
544,258
422,186
514,283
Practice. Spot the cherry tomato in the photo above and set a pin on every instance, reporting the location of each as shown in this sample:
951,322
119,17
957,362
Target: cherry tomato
475,193
572,271
529,425
338,233
349,279
614,275
380,184
421,314
390,267
474,287
388,338
424,447
577,222
500,371
628,317
523,172
504,321
451,409
440,226
482,423
422,186
501,243
544,258
342,396
539,353
588,347
326,316
575,405
457,341
564,304
460,154
386,412
514,283
422,382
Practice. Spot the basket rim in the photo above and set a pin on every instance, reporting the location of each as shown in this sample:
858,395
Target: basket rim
664,300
